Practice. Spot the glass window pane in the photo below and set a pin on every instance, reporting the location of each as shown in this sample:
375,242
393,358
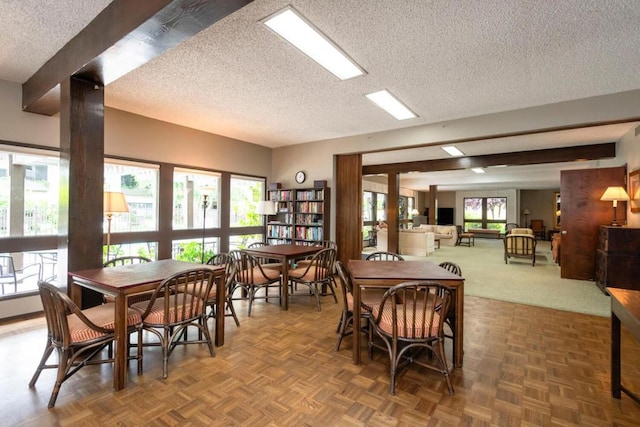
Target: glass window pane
473,208
241,242
496,208
144,249
381,208
246,192
190,250
367,206
196,199
29,183
139,183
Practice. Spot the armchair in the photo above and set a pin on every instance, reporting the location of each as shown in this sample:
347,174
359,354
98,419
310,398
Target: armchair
520,246
9,275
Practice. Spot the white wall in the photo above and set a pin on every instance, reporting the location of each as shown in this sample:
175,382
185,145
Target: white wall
629,148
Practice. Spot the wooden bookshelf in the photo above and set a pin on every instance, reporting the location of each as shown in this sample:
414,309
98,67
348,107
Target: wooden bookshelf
302,216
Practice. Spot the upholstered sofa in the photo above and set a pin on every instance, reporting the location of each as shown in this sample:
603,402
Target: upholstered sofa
415,241
448,234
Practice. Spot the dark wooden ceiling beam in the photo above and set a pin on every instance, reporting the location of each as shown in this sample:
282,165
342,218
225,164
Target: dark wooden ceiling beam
519,158
124,36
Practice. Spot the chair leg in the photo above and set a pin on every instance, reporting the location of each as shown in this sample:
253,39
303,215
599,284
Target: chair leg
63,361
47,352
346,320
232,310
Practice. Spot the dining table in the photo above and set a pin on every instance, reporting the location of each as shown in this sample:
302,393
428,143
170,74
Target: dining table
385,274
286,254
625,310
122,281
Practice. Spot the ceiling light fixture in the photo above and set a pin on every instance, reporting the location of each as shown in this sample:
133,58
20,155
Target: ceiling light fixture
392,105
453,151
289,24
478,170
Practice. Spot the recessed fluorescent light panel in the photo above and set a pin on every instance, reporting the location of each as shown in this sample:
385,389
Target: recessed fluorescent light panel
453,151
391,105
478,170
297,30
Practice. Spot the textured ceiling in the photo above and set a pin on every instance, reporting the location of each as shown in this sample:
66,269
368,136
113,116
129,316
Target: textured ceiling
446,59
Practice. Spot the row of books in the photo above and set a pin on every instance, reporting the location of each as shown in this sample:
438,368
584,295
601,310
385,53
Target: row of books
309,219
310,195
280,231
309,233
310,207
284,195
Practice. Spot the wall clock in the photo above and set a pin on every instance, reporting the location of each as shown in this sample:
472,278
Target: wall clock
300,177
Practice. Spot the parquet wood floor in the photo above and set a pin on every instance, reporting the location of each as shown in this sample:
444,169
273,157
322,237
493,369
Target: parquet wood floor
523,365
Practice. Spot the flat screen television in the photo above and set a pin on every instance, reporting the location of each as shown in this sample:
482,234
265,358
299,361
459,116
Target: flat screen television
445,216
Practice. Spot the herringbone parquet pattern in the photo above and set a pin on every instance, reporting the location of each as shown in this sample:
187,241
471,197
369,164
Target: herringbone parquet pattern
523,365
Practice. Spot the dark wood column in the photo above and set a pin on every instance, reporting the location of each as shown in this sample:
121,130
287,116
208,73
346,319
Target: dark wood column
349,206
81,181
393,200
165,211
433,198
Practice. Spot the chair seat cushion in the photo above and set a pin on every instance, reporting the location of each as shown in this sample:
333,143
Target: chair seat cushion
103,316
156,314
416,328
260,277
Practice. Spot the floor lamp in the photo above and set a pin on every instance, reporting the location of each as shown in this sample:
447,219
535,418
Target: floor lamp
266,208
113,202
205,204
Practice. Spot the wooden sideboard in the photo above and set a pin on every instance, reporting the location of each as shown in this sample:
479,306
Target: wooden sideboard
618,258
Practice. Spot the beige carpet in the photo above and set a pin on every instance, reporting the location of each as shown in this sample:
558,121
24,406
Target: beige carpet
486,275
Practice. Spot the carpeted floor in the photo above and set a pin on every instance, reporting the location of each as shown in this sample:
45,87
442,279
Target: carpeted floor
486,275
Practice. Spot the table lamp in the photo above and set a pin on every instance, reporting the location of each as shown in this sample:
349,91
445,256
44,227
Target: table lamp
614,194
113,202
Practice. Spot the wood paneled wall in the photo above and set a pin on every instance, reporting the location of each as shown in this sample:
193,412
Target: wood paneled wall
348,186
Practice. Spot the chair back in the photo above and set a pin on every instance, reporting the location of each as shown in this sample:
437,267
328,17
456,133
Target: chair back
384,256
183,296
247,268
413,311
126,260
322,264
57,306
226,259
262,260
510,226
520,244
347,284
451,267
7,268
536,225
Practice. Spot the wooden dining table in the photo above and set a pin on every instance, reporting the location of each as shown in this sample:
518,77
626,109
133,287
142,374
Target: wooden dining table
123,281
384,274
625,310
285,253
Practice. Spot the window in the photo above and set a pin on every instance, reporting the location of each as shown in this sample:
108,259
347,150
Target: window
190,250
485,212
189,190
139,183
241,242
29,182
245,194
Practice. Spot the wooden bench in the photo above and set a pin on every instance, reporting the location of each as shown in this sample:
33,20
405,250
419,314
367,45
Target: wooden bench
481,232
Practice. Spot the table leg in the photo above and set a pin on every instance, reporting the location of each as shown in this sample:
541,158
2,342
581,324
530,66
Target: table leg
122,343
458,342
615,357
285,283
356,324
221,297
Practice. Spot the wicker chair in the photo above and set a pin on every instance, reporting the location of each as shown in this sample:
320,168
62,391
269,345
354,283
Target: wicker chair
178,302
250,276
78,336
413,324
384,256
223,259
345,327
128,260
319,272
451,267
271,264
462,235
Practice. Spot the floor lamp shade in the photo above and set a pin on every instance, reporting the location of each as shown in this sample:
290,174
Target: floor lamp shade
113,202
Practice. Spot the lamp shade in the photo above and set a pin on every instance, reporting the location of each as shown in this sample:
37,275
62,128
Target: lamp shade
526,212
266,207
114,202
615,193
415,212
